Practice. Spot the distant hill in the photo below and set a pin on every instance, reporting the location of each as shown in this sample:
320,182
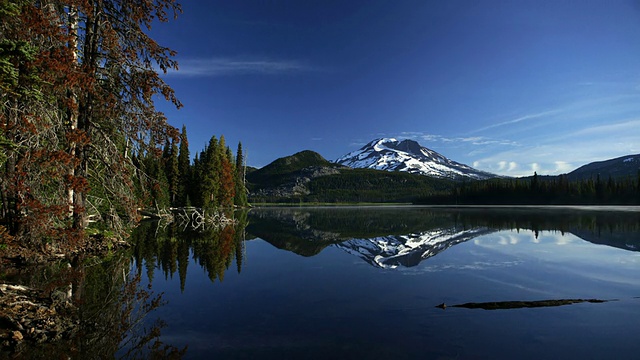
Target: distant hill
308,177
623,166
409,156
287,168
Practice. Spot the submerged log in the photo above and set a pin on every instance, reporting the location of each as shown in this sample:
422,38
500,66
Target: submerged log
503,305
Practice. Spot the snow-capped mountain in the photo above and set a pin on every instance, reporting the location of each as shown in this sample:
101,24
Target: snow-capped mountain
408,250
407,155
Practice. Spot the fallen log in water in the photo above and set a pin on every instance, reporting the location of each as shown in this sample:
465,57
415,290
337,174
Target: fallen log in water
503,305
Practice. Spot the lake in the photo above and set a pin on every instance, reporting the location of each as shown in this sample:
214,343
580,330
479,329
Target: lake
399,282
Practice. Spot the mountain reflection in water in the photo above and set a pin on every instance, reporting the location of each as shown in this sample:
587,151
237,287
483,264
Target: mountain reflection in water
284,283
384,237
405,236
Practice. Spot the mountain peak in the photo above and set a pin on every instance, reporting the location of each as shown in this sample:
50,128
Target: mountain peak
381,142
408,156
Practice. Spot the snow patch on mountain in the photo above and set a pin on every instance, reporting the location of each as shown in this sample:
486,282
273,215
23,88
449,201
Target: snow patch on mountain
390,252
408,156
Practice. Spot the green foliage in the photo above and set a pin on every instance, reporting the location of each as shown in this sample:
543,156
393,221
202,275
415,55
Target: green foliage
366,185
81,117
240,198
541,191
280,170
173,173
184,168
352,186
209,176
5,144
12,53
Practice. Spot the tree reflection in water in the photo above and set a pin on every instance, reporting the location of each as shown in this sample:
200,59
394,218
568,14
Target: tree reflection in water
113,313
169,247
98,307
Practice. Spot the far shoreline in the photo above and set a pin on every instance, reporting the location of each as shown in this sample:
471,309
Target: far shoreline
603,208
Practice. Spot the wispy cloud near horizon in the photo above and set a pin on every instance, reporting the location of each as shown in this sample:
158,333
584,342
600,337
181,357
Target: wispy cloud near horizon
214,67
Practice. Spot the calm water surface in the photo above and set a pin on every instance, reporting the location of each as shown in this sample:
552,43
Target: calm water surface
365,282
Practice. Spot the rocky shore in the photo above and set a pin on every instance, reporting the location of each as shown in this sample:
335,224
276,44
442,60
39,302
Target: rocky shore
29,315
41,312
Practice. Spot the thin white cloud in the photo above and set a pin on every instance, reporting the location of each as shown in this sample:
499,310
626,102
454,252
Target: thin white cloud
474,140
557,151
214,67
562,150
519,119
618,128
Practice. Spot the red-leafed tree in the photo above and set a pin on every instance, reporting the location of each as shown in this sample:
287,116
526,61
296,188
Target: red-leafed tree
77,82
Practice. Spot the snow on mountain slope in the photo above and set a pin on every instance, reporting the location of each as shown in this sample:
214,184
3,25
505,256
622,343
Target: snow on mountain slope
408,250
409,156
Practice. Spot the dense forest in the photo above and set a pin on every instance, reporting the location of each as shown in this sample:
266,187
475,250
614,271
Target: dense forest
82,141
167,178
538,190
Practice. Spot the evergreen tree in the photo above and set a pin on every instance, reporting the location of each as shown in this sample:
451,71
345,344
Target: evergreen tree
77,87
184,169
226,177
157,181
209,176
173,174
240,198
194,191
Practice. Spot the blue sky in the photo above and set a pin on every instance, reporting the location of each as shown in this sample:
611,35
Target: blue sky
509,87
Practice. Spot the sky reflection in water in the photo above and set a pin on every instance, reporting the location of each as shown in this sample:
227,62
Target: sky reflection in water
335,304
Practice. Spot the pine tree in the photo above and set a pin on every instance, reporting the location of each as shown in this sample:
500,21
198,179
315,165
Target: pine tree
240,198
226,177
194,191
184,168
173,174
157,181
209,177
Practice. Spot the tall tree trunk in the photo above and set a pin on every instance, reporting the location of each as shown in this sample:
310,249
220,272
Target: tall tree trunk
73,108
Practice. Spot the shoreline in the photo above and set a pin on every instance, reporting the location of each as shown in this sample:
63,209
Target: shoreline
595,208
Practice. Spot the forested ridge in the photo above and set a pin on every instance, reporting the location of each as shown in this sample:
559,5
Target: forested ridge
82,141
307,177
538,190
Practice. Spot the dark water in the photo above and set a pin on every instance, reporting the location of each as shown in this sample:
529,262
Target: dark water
323,283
